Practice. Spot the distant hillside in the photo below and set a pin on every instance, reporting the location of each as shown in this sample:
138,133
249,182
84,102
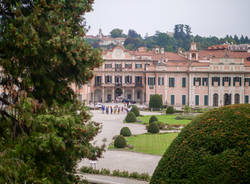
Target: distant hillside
180,38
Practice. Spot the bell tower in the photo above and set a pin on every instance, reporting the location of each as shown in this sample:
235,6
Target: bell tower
193,52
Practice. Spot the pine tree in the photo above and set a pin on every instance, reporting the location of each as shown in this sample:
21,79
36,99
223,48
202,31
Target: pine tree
44,130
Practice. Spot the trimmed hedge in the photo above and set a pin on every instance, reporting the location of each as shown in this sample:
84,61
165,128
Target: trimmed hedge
125,174
155,102
153,128
213,148
152,119
135,110
125,131
170,110
130,117
120,142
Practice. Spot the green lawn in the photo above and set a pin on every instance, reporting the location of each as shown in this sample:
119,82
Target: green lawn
151,143
169,119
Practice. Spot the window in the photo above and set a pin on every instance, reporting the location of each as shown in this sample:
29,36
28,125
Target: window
215,79
172,99
160,81
226,79
197,79
247,80
151,81
138,80
236,98
138,95
108,79
197,99
118,79
118,67
98,80
138,65
204,81
128,79
129,66
108,65
183,82
206,100
237,79
183,99
171,82
215,100
246,99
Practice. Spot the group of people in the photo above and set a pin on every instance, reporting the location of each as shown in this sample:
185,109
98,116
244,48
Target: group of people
114,110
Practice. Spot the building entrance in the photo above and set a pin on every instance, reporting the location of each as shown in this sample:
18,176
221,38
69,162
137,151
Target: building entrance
227,99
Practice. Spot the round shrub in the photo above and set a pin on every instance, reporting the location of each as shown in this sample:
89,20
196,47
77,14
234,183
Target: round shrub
120,142
155,102
125,131
170,110
152,119
135,110
153,128
130,117
213,148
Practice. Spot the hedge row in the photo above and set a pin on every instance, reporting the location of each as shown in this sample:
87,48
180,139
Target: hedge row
125,174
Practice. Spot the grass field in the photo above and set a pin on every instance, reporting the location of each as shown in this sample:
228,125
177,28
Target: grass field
169,119
155,144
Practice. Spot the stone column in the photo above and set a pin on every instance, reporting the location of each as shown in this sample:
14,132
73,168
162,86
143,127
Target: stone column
133,94
113,94
103,96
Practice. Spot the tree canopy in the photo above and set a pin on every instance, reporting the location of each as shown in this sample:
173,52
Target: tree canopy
44,129
115,33
180,38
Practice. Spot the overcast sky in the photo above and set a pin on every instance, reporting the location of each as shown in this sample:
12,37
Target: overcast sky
206,17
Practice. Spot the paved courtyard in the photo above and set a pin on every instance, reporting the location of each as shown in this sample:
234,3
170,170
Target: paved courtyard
122,160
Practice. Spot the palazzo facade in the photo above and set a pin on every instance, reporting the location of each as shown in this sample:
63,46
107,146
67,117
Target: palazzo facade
213,77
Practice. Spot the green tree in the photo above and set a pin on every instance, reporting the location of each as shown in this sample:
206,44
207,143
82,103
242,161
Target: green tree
155,102
213,148
115,33
44,131
133,34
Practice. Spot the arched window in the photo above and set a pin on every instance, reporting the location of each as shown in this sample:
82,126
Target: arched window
215,100
236,98
193,56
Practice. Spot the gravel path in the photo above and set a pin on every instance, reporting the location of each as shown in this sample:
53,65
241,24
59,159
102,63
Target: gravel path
122,160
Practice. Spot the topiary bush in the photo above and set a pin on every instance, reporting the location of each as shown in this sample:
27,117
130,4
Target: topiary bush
155,102
213,148
170,110
120,142
135,110
152,119
153,128
125,131
130,117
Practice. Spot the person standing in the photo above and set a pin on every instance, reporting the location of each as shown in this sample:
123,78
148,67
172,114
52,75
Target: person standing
107,109
103,109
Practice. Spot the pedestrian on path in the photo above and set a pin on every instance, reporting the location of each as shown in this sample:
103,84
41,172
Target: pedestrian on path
107,110
103,109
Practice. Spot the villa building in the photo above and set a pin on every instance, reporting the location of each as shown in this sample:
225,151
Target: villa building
217,76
